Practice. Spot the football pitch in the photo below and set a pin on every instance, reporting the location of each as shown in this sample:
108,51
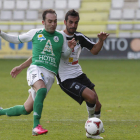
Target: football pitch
117,85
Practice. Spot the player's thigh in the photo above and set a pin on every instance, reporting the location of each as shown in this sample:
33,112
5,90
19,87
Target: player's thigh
35,77
34,74
38,85
48,78
74,89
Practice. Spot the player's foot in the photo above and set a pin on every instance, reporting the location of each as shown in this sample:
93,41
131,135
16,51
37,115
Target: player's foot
39,131
1,108
94,137
103,130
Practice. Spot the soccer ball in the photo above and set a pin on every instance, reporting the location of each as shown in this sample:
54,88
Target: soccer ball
94,126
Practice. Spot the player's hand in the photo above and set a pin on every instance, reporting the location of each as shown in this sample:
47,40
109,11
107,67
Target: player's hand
72,43
102,36
15,71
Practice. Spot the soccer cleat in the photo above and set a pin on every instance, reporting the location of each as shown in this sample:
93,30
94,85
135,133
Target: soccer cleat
39,131
1,109
94,137
103,130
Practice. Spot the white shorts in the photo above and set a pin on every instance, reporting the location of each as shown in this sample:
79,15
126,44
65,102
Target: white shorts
35,73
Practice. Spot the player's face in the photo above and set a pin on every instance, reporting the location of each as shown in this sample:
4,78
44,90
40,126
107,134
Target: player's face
71,24
50,22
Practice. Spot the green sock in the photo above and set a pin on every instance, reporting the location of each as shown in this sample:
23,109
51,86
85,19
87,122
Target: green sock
38,105
14,111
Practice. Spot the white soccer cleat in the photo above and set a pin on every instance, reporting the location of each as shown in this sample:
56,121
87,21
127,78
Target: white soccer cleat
1,108
94,137
103,130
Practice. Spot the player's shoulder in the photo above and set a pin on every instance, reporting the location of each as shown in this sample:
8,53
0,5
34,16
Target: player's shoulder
79,34
39,30
58,32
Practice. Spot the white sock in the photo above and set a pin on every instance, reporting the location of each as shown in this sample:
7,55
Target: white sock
91,111
97,115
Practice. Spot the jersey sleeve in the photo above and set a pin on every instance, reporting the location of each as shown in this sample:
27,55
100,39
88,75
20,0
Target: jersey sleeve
27,37
86,42
10,38
66,51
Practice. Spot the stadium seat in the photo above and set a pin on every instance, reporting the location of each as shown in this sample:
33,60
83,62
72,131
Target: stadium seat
115,14
138,3
91,5
4,27
60,4
31,15
111,27
125,34
126,27
137,27
136,35
9,4
34,4
128,14
59,27
93,16
20,4
74,4
117,4
0,4
46,4
138,14
28,27
6,15
39,26
60,14
15,27
18,15
91,28
131,5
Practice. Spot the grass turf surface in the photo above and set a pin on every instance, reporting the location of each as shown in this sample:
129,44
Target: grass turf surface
118,88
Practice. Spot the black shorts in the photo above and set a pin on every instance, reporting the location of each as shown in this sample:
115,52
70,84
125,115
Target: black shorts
75,86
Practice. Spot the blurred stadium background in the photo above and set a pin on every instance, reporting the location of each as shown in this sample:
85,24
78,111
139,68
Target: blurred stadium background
120,18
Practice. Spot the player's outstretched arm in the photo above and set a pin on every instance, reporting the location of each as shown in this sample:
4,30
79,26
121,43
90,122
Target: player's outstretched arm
98,46
10,38
71,45
16,70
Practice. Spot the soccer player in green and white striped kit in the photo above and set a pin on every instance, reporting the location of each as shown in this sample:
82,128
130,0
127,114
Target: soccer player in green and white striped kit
46,54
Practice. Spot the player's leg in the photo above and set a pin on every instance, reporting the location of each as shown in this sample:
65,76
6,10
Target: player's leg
19,109
97,113
90,99
29,103
92,110
39,84
90,106
35,80
41,91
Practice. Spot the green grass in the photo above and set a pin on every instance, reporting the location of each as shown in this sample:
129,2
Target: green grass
118,87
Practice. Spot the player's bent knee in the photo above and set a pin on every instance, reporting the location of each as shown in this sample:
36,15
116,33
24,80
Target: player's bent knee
92,100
